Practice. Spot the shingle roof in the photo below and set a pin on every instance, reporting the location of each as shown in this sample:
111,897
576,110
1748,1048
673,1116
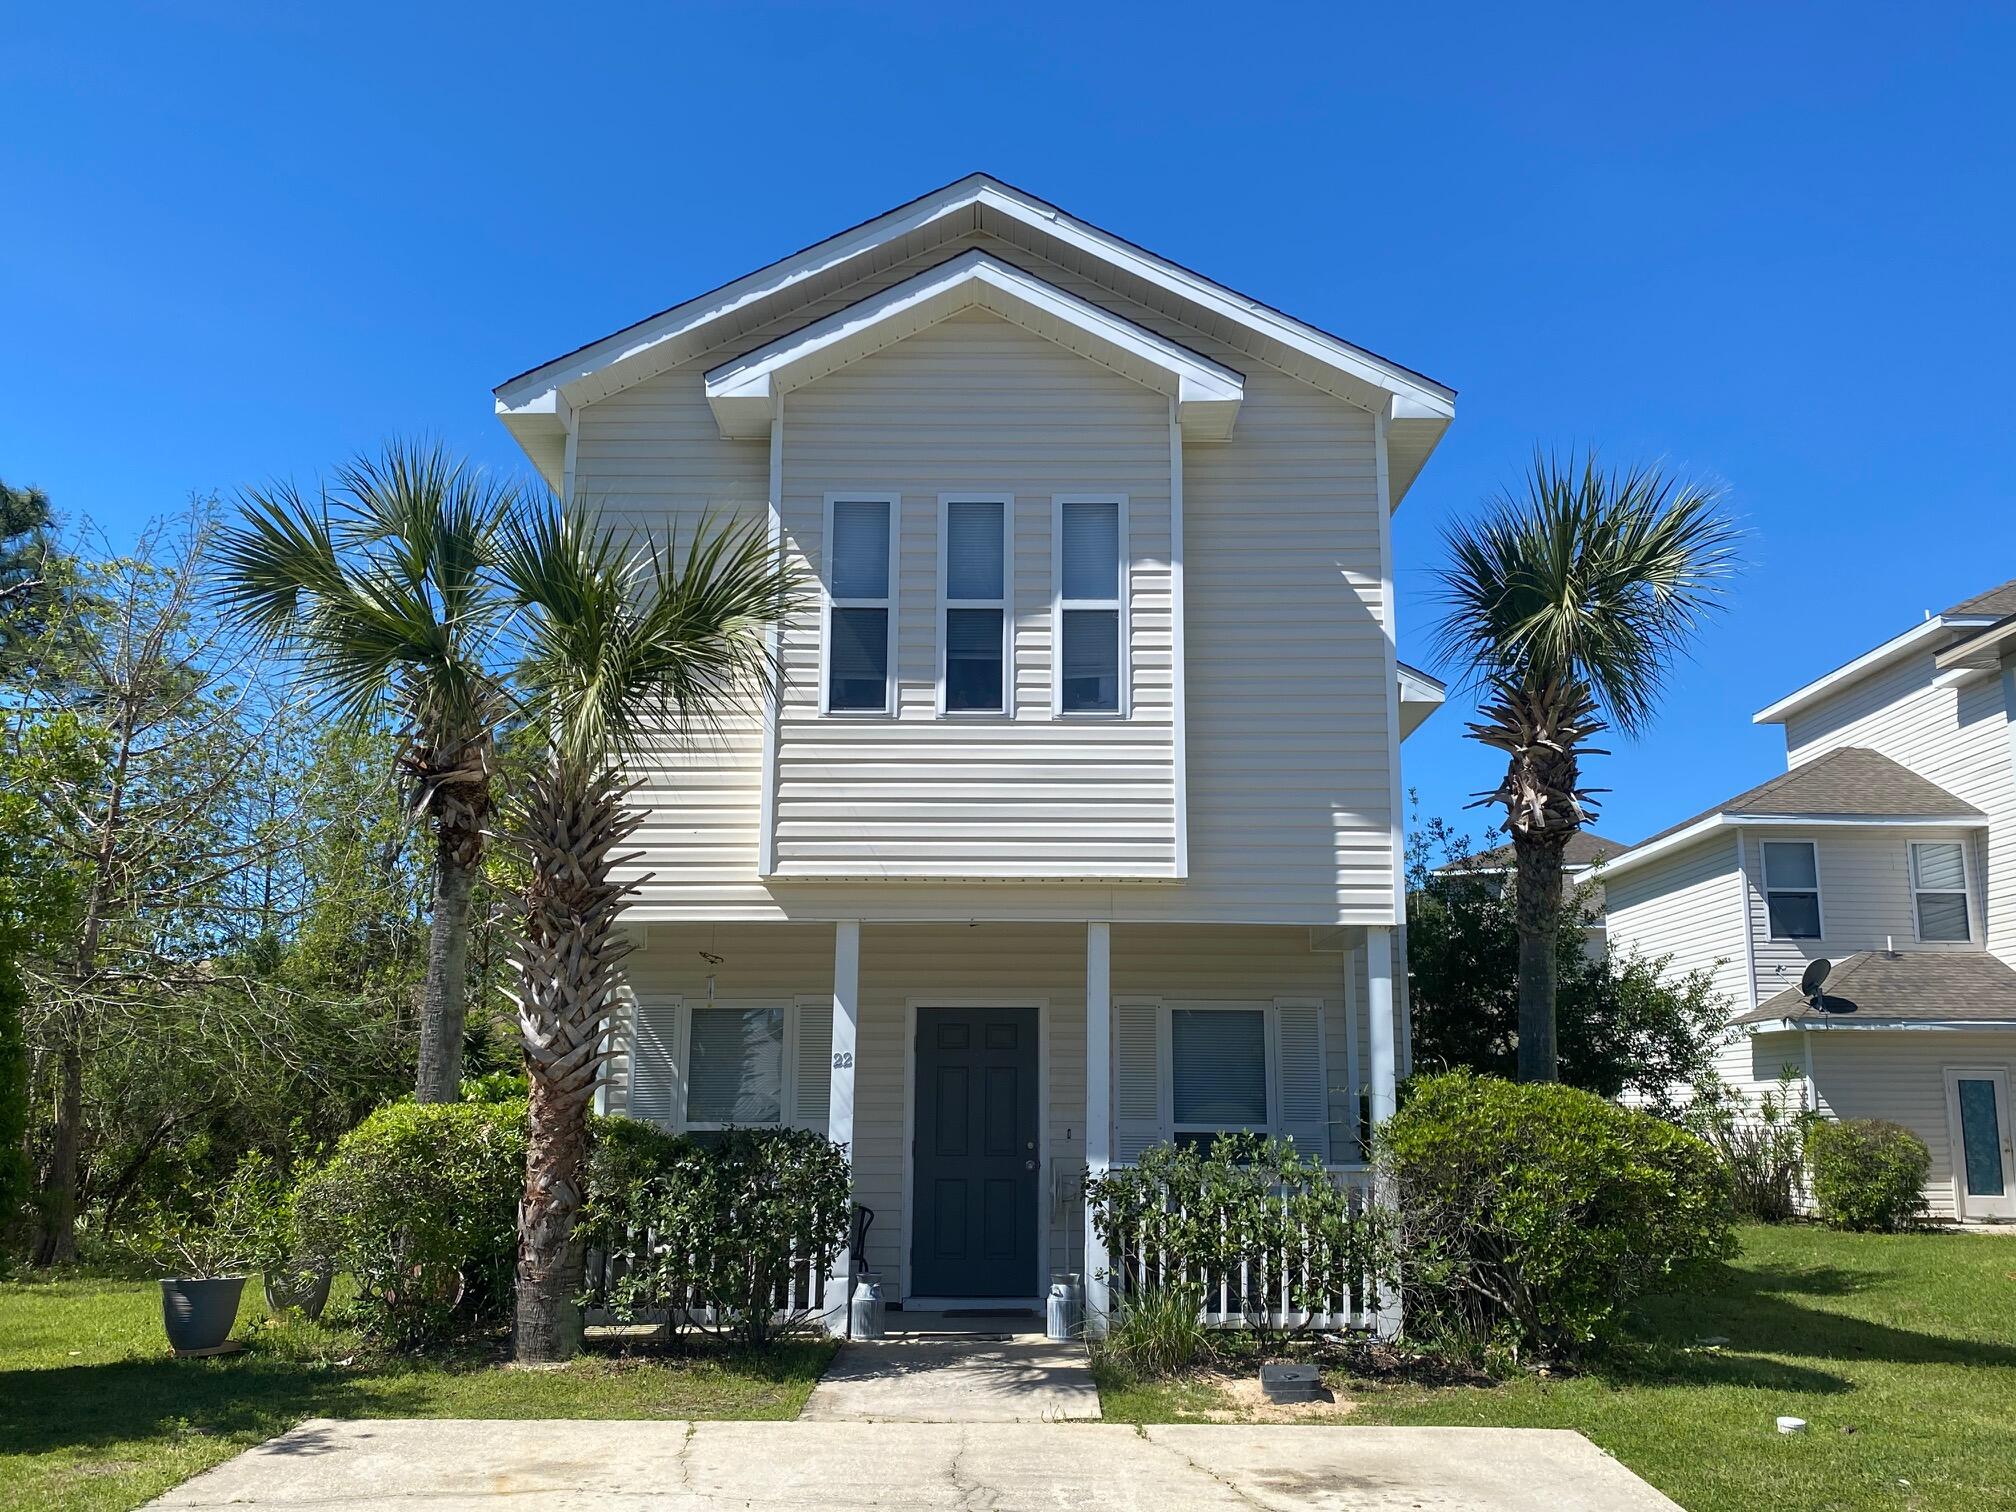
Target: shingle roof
1584,848
1849,780
2000,600
1920,985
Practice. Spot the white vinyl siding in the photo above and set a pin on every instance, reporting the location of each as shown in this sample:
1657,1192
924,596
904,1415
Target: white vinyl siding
971,399
1290,809
1956,737
1687,905
1865,879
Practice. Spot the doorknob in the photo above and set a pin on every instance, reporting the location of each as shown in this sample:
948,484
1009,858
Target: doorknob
1029,1165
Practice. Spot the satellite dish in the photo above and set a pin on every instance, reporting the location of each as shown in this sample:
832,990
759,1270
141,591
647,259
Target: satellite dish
1813,979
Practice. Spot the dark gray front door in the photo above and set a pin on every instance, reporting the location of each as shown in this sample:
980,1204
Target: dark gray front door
976,1158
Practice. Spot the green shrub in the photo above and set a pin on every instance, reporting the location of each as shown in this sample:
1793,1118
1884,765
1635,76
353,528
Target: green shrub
1239,1218
419,1203
729,1231
1156,1332
1761,1143
1868,1174
1526,1217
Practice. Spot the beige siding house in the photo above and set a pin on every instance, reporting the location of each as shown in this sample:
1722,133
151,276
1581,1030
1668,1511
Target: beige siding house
1887,850
1074,823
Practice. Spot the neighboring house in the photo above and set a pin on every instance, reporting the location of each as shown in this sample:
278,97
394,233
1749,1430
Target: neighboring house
1888,848
1584,853
1075,825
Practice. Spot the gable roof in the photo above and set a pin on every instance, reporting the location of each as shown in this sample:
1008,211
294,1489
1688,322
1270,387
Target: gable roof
537,405
744,391
1848,785
1872,989
1585,848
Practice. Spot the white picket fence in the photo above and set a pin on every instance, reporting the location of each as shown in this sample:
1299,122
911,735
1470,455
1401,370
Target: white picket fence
1264,1290
800,1297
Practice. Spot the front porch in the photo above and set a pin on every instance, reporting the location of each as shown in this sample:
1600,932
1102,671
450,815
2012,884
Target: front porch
977,1072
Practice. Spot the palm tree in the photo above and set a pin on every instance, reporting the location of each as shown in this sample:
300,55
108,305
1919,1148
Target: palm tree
1566,608
381,590
624,648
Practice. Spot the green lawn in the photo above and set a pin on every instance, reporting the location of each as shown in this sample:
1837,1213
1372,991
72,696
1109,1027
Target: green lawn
95,1414
1900,1352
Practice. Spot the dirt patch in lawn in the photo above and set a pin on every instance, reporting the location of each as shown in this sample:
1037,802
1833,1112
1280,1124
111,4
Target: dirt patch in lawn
1245,1402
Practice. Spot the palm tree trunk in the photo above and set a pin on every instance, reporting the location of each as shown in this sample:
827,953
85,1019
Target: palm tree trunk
568,979
1538,908
444,1002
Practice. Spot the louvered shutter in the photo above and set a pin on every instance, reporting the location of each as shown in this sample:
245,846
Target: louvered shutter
812,1095
1305,1080
654,1060
1138,1076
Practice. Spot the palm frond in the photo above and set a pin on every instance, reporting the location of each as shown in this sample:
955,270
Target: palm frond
379,589
1591,577
625,641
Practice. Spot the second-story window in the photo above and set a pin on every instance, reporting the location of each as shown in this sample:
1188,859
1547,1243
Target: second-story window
973,583
1090,658
1939,890
858,592
1792,889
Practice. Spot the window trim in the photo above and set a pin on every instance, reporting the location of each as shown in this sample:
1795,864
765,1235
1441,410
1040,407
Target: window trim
1966,890
828,603
787,1070
1269,1062
1006,603
1819,900
1058,604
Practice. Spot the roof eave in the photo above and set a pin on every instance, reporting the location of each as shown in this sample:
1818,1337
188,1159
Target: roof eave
1893,650
1631,860
1434,402
743,392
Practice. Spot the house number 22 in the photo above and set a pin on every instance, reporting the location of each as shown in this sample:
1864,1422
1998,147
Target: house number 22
843,1060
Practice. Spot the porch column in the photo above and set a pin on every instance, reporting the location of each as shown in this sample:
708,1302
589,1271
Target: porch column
1098,1106
1384,1076
840,1097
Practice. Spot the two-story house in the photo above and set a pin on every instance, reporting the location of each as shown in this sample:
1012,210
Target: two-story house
1887,848
1074,824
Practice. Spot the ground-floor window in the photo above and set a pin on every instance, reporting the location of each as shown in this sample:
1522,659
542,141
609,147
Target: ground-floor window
1218,1070
735,1061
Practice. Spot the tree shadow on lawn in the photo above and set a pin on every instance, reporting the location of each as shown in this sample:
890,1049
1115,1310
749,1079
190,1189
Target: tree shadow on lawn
80,1406
258,1394
1755,1310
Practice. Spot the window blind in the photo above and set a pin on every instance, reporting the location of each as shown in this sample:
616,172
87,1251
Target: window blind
1219,1064
735,1071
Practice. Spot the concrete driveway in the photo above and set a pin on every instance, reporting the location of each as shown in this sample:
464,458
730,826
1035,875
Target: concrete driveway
420,1466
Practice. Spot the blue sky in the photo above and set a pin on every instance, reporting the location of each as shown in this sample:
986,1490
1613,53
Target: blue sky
1768,244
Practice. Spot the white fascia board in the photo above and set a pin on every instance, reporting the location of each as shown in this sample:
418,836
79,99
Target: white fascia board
1893,650
1420,696
744,391
1774,1026
1631,860
1433,400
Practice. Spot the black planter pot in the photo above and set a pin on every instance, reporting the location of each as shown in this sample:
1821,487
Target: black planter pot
199,1313
304,1287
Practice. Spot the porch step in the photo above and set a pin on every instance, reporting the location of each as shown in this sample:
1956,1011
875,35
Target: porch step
956,1380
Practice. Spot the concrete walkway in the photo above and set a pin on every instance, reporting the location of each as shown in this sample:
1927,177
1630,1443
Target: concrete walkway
419,1466
1023,1378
